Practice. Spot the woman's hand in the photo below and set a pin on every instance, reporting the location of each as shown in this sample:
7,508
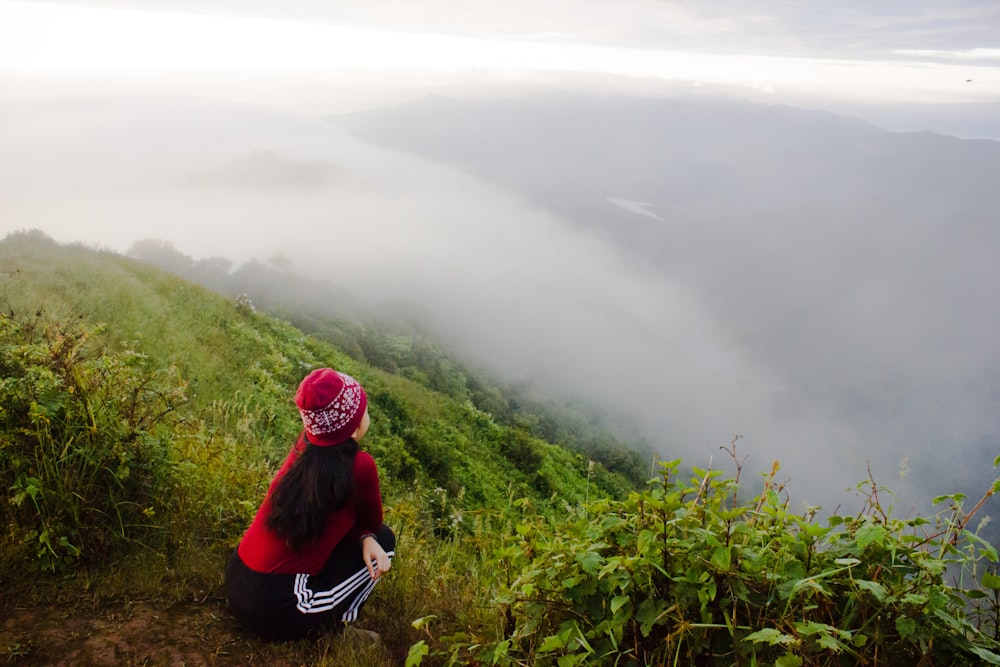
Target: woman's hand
376,560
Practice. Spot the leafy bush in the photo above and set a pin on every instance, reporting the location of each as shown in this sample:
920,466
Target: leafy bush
521,450
686,574
83,434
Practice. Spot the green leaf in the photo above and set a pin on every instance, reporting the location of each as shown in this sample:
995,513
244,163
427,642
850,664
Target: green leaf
421,622
552,643
991,581
722,557
771,636
870,534
955,497
814,529
990,553
567,631
618,602
830,642
905,626
989,656
499,651
648,614
590,561
583,640
813,628
788,660
951,620
806,584
873,587
645,541
707,593
416,654
847,561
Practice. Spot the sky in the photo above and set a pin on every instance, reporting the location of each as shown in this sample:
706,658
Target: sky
192,121
940,52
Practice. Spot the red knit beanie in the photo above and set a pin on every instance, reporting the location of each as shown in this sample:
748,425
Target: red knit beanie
332,406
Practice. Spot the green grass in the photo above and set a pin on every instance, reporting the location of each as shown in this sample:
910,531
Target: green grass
229,427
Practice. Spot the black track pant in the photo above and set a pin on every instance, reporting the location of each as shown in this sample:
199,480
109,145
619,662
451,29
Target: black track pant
293,606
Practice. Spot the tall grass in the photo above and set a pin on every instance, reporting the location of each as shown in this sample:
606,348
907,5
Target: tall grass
84,440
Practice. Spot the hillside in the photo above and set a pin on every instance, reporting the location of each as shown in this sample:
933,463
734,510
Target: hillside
399,342
207,385
208,339
143,417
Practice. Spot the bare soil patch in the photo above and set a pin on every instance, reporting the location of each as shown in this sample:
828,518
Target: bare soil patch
187,633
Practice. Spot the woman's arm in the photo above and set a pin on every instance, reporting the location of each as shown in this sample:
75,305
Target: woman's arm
369,514
376,559
368,496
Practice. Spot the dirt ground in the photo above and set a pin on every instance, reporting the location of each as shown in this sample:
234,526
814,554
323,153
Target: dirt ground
189,634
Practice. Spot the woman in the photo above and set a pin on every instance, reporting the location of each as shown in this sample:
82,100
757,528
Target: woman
317,545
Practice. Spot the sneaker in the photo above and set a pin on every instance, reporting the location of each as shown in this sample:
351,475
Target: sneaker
361,636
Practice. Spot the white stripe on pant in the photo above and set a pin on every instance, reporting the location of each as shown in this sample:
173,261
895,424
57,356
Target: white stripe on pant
315,602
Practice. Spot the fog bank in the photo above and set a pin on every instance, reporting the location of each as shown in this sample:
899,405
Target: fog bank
783,330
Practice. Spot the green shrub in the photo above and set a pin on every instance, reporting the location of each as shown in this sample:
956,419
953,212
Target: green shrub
686,574
84,438
521,450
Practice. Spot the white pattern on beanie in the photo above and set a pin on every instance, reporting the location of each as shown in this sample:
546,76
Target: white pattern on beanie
339,413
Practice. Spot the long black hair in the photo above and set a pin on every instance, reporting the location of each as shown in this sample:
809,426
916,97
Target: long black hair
318,482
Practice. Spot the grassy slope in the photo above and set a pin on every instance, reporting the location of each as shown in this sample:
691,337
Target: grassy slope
469,499
441,461
225,356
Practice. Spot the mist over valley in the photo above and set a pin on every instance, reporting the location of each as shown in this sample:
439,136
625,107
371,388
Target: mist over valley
698,267
844,269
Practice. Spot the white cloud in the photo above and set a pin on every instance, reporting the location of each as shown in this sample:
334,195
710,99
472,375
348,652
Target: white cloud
43,38
966,54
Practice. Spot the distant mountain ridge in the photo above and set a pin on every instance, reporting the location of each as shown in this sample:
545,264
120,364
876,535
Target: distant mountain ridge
568,150
855,266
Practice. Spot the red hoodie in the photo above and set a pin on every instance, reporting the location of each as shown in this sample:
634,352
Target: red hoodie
263,551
